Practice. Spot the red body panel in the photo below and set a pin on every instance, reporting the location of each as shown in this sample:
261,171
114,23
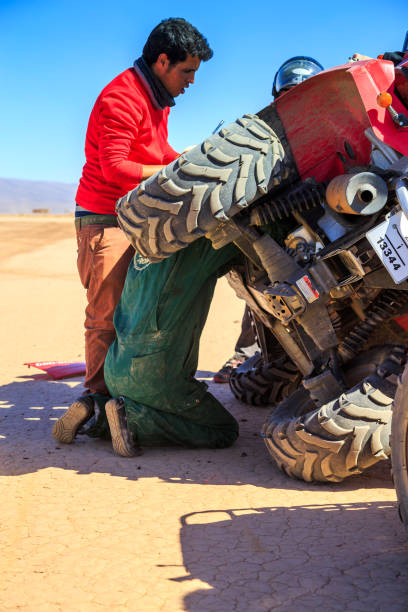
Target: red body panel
337,106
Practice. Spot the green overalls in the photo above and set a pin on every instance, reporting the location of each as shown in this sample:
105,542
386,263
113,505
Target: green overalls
152,362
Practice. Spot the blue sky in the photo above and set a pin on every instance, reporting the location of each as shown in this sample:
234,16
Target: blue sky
55,57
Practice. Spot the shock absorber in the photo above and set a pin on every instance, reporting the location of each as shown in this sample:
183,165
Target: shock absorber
335,318
384,307
303,197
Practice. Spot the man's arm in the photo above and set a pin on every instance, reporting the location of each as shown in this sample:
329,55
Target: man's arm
119,129
150,170
392,56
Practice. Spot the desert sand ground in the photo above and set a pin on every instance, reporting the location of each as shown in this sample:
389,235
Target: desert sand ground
172,530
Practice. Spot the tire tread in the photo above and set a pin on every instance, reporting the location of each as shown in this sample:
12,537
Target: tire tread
341,438
203,187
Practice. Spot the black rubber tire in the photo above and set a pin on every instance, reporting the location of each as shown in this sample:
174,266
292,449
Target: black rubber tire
343,437
399,446
261,384
203,187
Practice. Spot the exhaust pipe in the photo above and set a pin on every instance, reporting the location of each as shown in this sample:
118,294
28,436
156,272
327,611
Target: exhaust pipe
364,193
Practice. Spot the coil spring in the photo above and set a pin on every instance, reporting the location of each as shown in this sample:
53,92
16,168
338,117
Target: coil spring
305,197
335,319
386,305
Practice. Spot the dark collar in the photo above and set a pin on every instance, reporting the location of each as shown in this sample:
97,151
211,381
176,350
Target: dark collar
158,94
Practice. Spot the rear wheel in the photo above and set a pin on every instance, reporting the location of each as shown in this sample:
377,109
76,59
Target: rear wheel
344,436
260,384
399,446
203,188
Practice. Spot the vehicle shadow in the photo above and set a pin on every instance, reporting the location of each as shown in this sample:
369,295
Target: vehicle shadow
29,408
332,557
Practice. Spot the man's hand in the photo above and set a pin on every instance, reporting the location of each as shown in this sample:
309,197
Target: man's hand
148,171
188,148
357,57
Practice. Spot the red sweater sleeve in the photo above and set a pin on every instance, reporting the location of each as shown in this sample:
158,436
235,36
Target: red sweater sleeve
119,124
171,155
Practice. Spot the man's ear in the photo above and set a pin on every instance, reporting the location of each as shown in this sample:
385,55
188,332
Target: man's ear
162,63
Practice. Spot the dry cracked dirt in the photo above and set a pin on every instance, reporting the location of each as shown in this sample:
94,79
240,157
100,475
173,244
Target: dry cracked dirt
174,529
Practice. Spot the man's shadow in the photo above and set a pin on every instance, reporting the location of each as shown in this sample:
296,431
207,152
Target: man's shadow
28,410
332,557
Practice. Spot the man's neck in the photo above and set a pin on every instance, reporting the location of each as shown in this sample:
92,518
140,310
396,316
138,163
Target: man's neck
158,94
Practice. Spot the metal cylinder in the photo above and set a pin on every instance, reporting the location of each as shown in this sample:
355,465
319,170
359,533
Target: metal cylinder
364,193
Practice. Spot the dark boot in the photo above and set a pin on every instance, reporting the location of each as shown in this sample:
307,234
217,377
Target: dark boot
122,439
66,428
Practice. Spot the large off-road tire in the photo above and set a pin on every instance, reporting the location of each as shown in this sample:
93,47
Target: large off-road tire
399,446
203,187
260,384
344,436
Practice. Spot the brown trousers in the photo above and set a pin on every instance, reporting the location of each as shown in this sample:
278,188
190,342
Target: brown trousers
104,254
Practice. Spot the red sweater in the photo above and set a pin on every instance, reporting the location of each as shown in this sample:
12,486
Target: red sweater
125,131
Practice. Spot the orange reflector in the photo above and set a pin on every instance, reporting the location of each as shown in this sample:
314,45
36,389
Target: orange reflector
384,99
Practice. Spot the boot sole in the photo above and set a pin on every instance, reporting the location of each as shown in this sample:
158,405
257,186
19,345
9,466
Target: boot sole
120,446
66,427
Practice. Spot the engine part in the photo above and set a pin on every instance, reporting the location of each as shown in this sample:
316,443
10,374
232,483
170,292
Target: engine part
364,193
301,245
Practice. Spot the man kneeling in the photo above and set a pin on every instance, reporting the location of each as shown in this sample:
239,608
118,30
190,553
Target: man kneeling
150,366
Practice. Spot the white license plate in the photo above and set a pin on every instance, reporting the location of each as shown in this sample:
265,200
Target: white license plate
389,239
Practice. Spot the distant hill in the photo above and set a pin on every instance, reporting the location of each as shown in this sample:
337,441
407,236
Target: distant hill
19,196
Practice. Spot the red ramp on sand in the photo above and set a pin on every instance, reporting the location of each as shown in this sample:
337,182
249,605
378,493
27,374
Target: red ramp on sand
59,369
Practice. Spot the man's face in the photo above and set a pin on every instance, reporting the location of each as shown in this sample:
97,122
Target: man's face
176,77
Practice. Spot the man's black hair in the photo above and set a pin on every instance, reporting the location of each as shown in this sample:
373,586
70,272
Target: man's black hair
176,38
